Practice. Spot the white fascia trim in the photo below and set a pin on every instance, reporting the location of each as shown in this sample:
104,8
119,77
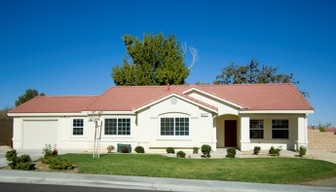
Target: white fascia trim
173,95
213,96
110,112
46,114
276,112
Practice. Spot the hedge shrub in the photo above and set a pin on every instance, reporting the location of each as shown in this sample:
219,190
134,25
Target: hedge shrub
274,151
231,152
170,150
180,154
302,151
256,150
206,149
23,162
139,149
58,163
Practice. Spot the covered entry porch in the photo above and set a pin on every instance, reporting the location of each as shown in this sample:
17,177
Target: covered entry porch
228,129
288,131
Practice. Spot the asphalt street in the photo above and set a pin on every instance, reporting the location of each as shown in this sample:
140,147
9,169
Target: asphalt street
19,187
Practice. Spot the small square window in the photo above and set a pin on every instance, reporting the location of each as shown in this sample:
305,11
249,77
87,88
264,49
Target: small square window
77,126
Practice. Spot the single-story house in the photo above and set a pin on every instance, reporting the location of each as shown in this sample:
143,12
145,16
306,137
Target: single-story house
157,117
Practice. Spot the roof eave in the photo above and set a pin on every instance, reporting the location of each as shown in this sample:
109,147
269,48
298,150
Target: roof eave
277,111
45,114
169,96
213,96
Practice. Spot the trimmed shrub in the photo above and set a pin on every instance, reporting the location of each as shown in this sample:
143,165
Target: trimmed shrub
59,163
206,149
170,150
231,152
180,154
256,150
23,162
302,151
195,150
139,149
274,151
110,148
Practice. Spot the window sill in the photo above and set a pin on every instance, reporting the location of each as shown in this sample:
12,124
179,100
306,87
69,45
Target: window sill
78,137
174,138
117,137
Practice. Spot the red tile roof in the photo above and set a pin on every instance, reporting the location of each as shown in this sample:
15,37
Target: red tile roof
283,96
47,104
129,98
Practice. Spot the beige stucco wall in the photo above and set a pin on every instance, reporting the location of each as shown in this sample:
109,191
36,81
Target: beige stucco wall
201,128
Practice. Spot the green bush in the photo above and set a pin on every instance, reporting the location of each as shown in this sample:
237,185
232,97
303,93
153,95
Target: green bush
170,150
139,149
48,151
23,162
195,150
206,149
11,155
256,150
180,154
58,163
302,151
274,151
231,152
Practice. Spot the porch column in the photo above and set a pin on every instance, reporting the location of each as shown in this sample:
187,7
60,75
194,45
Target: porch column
302,139
245,133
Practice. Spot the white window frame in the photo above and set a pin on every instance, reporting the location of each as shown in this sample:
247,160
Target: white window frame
186,131
76,126
257,127
119,131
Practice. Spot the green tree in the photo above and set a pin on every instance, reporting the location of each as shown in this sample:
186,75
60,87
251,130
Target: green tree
28,95
3,113
251,73
154,61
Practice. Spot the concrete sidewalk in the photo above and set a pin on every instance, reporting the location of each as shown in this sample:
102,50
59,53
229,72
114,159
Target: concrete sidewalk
145,183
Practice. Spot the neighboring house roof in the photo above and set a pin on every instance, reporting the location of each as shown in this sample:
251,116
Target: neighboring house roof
50,104
283,96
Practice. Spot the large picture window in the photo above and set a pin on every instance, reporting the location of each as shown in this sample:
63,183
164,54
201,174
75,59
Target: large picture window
117,126
256,129
280,129
175,126
77,126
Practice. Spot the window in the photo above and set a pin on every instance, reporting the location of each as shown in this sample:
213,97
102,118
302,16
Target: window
256,129
175,126
120,126
78,125
280,129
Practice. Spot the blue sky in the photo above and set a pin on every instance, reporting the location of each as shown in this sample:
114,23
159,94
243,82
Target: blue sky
68,47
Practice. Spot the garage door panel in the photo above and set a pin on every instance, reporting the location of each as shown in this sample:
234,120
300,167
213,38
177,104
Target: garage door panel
38,133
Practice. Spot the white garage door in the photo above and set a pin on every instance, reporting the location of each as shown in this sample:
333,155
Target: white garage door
36,134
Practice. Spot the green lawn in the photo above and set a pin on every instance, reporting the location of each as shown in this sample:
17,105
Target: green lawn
263,170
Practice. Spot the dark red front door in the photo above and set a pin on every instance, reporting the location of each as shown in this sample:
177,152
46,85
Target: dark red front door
230,133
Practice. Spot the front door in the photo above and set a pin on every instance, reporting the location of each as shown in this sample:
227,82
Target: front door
230,133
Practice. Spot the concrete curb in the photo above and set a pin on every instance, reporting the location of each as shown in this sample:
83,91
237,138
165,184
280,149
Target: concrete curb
145,183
